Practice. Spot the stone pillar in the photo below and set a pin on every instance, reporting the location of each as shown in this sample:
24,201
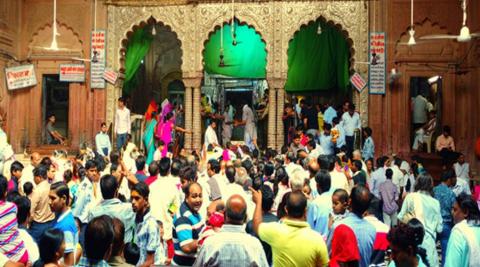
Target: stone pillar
192,113
196,120
272,111
280,84
188,117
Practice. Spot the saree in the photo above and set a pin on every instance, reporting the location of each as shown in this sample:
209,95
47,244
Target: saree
149,140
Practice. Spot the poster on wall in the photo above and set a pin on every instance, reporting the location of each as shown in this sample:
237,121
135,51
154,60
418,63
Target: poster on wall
72,73
110,76
358,82
20,77
97,66
377,68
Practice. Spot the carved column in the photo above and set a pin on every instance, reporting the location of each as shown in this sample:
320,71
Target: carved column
188,117
192,113
272,111
280,84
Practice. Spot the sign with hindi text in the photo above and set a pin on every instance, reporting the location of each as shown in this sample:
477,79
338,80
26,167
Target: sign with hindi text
110,76
377,68
20,77
72,73
97,66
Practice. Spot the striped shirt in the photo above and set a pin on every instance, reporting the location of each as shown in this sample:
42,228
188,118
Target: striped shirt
147,237
187,226
11,245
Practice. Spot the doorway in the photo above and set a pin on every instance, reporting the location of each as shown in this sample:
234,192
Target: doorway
55,101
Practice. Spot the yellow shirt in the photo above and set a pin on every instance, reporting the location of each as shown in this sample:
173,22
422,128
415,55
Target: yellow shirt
294,243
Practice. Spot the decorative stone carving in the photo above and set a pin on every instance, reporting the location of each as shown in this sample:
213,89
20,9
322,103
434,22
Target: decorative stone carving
275,21
42,39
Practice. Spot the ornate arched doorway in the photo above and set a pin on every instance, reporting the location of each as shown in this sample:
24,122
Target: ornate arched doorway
235,60
320,57
151,57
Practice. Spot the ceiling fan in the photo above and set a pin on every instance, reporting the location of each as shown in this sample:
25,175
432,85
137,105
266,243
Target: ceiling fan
411,31
464,36
53,45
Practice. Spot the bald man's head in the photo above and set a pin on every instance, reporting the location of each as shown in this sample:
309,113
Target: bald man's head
35,159
313,167
296,205
236,210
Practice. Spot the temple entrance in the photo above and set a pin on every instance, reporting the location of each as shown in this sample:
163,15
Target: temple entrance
319,66
153,67
55,102
235,67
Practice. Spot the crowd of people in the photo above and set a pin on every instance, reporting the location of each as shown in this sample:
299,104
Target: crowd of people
316,202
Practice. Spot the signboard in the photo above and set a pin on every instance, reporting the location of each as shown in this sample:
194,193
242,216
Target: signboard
72,73
110,76
358,82
377,67
20,77
97,66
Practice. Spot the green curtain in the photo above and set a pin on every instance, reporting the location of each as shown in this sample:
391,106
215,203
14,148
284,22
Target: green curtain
318,61
137,48
248,59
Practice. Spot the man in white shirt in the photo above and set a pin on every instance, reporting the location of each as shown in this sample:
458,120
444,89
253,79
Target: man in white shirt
248,119
122,123
290,165
102,141
27,173
459,186
397,178
314,150
350,122
164,199
462,168
211,135
420,108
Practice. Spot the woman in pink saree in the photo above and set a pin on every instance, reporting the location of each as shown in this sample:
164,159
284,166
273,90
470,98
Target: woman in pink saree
165,130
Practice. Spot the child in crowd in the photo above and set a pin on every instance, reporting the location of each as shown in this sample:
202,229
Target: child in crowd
28,189
15,174
389,195
214,225
307,191
131,252
339,206
158,153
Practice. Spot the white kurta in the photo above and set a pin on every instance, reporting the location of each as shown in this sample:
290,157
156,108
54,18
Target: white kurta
210,136
250,129
227,126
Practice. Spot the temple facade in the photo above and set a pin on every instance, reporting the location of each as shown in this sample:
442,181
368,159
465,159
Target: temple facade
25,27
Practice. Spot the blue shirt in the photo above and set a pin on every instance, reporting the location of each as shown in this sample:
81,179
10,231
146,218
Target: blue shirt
117,209
368,150
458,249
147,237
66,223
84,201
446,197
318,213
378,177
326,144
364,232
85,262
187,226
329,114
